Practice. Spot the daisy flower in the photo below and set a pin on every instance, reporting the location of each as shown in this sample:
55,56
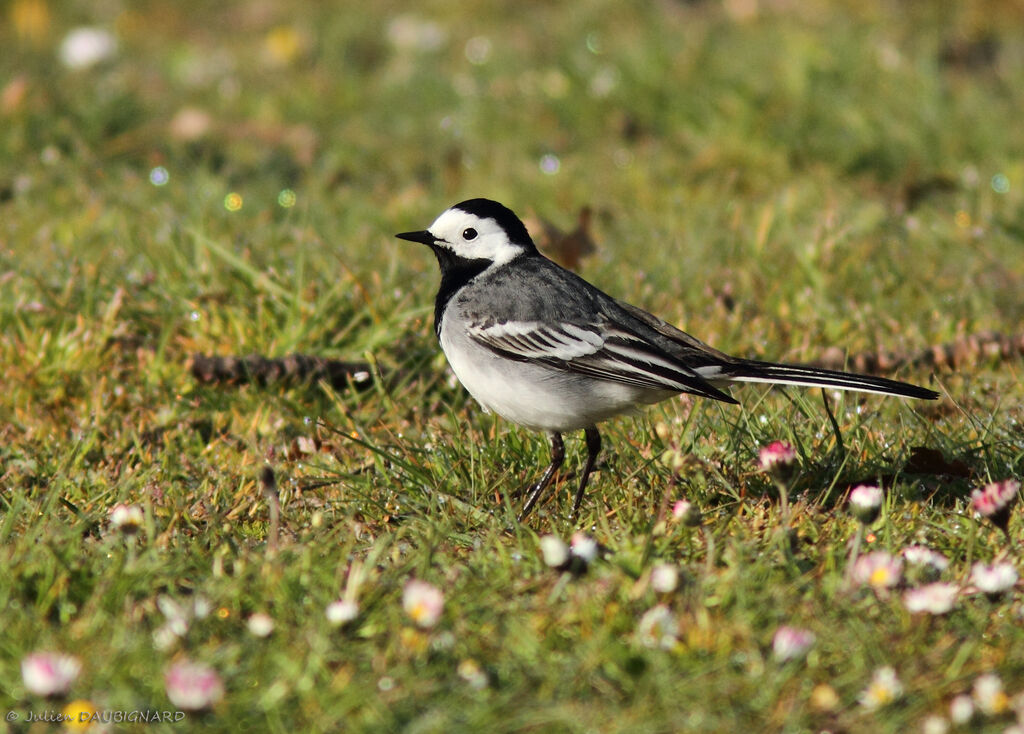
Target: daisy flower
934,598
49,673
423,602
878,569
884,688
994,502
994,579
777,458
657,628
193,686
791,643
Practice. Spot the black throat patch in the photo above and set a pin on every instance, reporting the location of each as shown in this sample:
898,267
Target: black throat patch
455,273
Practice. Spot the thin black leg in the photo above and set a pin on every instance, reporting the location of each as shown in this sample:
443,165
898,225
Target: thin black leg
593,449
557,457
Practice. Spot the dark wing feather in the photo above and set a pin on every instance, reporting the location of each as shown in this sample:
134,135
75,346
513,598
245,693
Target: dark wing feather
600,348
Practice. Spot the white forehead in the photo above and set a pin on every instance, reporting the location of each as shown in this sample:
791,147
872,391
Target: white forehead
453,222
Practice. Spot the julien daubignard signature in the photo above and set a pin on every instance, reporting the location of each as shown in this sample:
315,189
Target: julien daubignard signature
138,716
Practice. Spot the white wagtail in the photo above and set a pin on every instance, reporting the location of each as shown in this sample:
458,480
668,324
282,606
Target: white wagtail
542,347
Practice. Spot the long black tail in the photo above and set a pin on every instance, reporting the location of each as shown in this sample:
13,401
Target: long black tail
792,374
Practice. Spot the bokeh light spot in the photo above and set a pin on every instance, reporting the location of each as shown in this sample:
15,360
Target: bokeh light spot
550,164
159,176
478,50
233,202
286,198
1000,183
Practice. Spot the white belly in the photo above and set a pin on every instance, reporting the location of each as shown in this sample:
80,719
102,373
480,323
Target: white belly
539,397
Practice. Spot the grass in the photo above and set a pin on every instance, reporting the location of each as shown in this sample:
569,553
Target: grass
807,176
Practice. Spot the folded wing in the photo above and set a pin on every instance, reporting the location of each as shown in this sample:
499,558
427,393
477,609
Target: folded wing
600,349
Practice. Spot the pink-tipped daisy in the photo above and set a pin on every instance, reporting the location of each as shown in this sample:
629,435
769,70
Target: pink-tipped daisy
994,502
584,547
919,555
193,686
687,513
935,598
994,579
878,569
791,643
49,673
866,503
777,458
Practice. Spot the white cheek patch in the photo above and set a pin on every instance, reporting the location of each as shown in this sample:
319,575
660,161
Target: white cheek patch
493,247
491,243
501,250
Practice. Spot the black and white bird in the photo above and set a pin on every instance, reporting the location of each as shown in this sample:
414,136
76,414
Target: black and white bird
542,347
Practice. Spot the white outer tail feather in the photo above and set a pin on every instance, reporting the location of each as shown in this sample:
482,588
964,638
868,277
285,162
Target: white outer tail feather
783,374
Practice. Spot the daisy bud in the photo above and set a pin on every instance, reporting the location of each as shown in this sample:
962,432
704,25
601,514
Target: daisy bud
341,612
687,513
260,624
126,518
866,503
555,551
791,643
961,709
664,578
777,459
584,547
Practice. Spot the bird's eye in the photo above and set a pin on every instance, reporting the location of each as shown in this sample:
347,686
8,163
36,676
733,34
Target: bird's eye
469,234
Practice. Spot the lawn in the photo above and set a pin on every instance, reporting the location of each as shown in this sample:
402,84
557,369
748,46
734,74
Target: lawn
786,180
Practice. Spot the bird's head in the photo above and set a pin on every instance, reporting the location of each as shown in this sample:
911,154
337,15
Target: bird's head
475,230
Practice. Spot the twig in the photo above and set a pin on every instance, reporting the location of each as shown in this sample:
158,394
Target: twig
269,483
972,348
293,368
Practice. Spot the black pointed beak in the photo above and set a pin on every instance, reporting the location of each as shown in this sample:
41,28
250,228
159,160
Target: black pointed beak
423,237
